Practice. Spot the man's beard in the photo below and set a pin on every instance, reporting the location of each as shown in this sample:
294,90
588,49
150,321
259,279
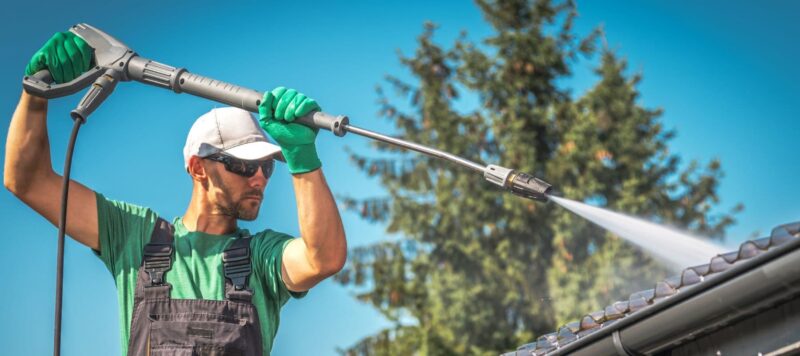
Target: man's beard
237,209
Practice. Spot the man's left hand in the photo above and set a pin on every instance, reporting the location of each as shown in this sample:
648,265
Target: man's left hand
277,111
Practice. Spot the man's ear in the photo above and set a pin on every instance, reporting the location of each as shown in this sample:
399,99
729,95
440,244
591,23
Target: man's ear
197,169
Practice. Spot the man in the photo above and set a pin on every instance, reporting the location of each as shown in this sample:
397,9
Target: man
176,294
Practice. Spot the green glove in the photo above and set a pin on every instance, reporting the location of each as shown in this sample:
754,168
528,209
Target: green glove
277,110
65,55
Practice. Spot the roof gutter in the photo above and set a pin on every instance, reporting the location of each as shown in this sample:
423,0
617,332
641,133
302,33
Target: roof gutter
751,284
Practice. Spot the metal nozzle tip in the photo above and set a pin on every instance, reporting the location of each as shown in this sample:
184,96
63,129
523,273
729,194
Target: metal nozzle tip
528,186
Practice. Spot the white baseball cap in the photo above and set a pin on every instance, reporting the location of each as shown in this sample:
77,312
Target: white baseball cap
230,130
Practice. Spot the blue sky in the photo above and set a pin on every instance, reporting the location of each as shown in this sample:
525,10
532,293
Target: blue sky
724,72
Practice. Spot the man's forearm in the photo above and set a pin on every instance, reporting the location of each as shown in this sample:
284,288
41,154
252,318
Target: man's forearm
320,224
27,145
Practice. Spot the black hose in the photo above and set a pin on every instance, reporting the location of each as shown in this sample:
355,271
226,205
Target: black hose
62,227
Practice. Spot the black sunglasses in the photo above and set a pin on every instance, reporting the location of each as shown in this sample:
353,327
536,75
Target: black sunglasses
242,167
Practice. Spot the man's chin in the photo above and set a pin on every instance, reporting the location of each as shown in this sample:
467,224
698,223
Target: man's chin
249,214
248,217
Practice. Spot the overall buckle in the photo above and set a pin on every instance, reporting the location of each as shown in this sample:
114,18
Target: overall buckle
157,260
236,264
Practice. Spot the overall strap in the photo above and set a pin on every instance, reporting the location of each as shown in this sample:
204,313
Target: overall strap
236,266
157,259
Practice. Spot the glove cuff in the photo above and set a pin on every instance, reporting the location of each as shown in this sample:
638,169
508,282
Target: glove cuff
301,158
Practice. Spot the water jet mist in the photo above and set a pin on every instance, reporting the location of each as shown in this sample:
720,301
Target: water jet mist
677,248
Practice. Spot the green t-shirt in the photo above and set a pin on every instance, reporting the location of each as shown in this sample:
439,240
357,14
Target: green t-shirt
196,271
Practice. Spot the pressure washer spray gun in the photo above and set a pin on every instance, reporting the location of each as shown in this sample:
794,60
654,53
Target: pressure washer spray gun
115,62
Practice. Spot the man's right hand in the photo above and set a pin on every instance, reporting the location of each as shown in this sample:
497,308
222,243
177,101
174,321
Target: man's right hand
28,171
65,55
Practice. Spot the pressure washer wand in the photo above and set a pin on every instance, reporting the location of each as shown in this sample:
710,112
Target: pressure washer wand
115,58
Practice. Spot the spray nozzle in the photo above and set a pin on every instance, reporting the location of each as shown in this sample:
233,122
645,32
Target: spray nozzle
528,186
519,183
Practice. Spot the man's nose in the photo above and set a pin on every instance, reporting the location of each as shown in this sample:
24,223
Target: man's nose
259,179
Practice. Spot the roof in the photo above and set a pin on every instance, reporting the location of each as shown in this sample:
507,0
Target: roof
679,308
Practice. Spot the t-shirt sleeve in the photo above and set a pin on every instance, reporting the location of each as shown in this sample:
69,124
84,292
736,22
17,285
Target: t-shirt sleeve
270,258
123,230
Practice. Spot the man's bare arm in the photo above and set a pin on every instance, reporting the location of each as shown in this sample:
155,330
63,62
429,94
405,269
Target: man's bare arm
30,176
322,250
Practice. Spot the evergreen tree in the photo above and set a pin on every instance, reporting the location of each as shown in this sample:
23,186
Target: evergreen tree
480,271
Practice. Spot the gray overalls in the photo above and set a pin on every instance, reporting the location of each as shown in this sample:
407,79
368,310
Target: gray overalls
164,326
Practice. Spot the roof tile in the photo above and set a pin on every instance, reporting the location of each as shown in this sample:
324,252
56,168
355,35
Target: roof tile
616,310
547,340
719,264
702,270
663,289
566,335
749,249
689,277
731,257
574,326
588,323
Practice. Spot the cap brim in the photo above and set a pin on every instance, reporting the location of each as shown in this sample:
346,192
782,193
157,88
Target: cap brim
256,150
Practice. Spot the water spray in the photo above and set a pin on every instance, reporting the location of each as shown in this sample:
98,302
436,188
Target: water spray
677,248
116,62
